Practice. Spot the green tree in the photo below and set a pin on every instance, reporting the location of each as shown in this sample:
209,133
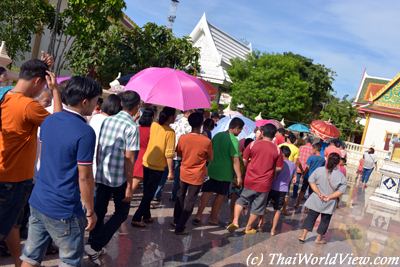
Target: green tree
156,46
280,86
20,20
129,51
88,19
85,24
343,115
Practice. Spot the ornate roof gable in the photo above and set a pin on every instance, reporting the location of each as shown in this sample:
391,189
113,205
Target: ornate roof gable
389,95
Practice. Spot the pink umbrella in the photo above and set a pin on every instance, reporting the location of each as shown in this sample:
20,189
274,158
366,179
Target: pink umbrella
61,79
261,123
276,123
169,87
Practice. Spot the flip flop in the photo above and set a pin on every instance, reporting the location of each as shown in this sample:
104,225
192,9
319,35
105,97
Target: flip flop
250,231
301,240
232,228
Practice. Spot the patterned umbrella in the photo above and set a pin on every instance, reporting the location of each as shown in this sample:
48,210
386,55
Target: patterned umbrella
324,129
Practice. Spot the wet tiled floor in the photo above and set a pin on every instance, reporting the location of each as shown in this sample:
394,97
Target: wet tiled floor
359,228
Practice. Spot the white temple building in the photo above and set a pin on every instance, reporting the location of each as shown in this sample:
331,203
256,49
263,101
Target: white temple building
217,48
378,102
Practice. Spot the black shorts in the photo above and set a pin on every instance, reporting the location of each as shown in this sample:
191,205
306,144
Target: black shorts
13,198
278,199
215,186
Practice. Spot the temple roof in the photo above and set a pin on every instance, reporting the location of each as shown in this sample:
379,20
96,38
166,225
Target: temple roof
217,49
369,87
379,110
382,99
228,46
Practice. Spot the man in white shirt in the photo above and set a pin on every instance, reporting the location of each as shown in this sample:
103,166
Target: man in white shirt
370,162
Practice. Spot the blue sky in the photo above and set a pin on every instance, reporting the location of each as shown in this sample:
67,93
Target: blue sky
346,36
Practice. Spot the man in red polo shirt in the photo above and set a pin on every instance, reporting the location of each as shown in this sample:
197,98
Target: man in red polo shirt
264,160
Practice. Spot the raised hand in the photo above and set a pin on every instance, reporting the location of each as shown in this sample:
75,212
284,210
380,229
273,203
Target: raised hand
47,58
51,81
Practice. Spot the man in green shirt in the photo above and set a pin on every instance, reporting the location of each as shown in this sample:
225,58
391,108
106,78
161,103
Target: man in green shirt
222,170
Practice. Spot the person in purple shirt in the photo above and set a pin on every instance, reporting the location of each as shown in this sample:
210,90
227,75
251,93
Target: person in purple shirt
280,186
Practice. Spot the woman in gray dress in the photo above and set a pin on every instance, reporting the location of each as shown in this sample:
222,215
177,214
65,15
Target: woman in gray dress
328,184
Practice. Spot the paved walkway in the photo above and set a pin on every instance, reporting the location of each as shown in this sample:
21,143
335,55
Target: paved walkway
359,228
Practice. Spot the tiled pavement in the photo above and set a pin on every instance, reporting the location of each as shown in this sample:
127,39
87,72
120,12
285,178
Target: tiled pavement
359,227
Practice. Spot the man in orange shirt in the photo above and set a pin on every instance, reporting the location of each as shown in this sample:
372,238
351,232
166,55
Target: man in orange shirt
195,149
20,118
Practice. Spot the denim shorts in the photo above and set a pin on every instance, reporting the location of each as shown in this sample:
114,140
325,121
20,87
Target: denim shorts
68,235
13,198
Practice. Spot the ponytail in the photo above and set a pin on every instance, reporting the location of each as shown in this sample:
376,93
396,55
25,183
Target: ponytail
333,161
165,114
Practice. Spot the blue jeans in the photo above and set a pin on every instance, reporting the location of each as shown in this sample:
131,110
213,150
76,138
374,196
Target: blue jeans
13,198
366,174
175,188
68,235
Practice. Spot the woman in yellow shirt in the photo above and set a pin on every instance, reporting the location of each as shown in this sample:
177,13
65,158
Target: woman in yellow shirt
159,154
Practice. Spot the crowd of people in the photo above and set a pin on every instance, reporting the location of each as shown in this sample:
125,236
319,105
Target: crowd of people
108,149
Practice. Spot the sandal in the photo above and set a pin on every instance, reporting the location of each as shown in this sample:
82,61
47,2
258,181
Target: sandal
232,228
250,231
138,224
302,241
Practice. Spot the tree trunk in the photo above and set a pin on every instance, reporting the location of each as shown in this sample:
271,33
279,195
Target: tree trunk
52,43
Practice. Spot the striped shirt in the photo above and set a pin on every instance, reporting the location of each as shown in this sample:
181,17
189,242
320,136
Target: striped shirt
119,133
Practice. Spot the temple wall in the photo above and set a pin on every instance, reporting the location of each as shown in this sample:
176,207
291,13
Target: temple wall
378,127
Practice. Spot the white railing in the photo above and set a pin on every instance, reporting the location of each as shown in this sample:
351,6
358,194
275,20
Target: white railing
355,152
